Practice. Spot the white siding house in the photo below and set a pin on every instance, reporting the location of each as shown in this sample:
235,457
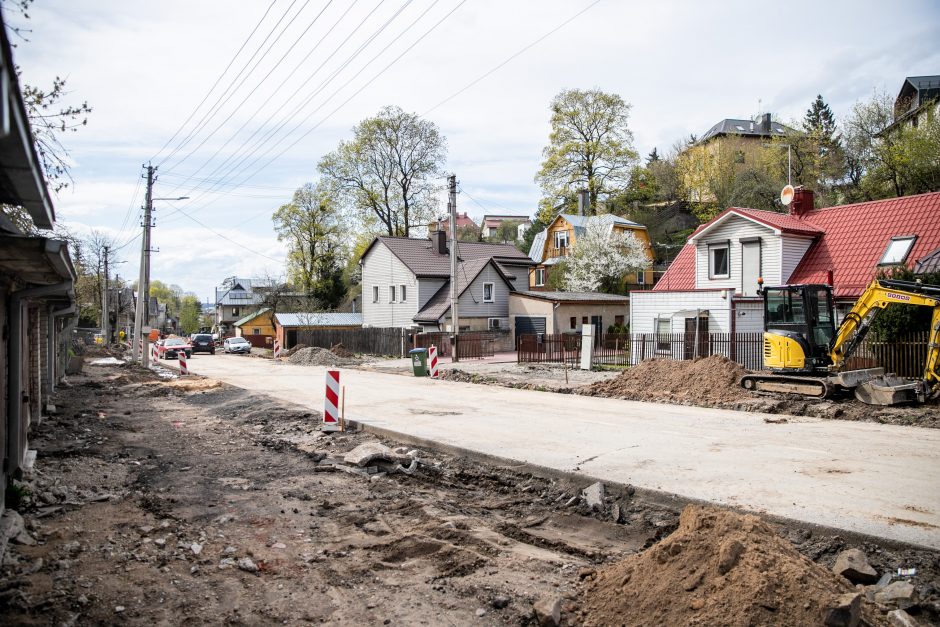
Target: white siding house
383,275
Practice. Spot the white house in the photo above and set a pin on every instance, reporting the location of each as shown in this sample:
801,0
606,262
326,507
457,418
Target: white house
406,283
711,286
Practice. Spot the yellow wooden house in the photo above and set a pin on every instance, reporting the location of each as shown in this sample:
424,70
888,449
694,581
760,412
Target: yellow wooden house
557,242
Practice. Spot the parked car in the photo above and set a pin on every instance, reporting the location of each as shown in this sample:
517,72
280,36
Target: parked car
171,347
236,345
202,343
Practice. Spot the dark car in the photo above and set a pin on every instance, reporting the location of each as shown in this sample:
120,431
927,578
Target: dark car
202,343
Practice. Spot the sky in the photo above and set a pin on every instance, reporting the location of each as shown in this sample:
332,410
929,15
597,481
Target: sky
235,101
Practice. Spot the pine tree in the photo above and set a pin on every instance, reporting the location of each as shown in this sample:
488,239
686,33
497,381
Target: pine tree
820,121
652,157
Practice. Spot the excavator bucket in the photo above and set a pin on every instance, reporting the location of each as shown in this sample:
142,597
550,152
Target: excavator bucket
889,390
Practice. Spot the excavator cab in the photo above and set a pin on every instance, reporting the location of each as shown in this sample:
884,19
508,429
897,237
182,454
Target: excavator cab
798,328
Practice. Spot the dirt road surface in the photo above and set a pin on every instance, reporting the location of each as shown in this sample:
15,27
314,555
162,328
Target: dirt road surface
188,502
882,480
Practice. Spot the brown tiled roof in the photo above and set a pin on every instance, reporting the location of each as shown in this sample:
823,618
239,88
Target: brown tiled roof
421,259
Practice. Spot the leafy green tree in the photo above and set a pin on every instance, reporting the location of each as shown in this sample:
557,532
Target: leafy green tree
315,232
896,321
642,187
190,316
506,233
390,171
590,146
538,225
754,189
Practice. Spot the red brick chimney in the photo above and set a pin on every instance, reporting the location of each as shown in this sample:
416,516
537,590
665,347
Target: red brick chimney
802,201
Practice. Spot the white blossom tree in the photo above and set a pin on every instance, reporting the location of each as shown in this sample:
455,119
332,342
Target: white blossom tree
601,258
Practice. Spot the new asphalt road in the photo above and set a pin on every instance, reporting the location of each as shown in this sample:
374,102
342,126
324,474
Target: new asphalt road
877,479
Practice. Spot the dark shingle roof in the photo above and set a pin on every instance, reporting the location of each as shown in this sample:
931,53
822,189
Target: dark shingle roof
746,128
467,272
576,297
421,259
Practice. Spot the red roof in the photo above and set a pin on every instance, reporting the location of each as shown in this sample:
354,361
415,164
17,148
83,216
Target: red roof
851,241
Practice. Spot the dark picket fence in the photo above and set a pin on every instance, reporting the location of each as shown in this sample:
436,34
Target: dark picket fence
371,341
470,344
905,356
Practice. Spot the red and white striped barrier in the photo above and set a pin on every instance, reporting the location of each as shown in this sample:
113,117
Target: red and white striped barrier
182,359
432,361
277,349
140,349
331,403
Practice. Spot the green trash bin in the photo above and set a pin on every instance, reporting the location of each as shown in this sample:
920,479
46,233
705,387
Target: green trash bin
419,361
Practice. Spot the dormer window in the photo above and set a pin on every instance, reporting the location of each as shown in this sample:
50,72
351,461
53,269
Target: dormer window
719,260
561,239
897,251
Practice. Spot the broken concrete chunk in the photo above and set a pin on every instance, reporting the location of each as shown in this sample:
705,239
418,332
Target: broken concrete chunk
853,565
594,495
896,592
196,548
900,618
13,529
365,454
247,564
547,611
844,611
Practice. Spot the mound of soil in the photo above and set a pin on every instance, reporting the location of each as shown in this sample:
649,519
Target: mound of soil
341,351
316,356
708,380
717,568
294,349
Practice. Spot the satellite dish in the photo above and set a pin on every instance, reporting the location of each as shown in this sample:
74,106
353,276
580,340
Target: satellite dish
786,195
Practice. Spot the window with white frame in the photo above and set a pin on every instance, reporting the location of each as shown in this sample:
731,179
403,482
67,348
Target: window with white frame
561,239
375,293
391,293
663,329
897,251
641,277
719,260
539,277
488,292
402,294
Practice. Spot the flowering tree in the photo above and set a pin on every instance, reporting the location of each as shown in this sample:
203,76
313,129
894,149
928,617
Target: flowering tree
600,259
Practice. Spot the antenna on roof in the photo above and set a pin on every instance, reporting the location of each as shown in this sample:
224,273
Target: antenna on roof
786,195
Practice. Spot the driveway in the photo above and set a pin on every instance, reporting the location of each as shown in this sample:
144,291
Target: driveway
882,480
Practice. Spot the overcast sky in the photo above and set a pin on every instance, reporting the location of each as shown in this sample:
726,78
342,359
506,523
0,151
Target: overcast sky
144,67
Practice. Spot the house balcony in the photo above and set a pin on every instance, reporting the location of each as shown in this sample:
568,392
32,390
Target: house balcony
555,253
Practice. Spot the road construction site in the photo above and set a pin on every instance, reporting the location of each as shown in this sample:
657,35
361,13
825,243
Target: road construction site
157,499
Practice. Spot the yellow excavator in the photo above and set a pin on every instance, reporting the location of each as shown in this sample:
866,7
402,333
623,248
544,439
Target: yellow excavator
806,354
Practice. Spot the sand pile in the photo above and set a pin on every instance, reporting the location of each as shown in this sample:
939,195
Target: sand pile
717,568
316,356
293,349
709,380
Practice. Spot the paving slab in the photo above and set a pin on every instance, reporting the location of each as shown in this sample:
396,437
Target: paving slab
882,480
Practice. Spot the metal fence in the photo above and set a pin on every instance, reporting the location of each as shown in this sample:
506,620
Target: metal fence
371,341
470,344
905,356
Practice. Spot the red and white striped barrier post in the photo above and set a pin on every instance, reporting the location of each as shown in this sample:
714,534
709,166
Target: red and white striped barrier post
182,359
432,361
277,350
331,403
140,349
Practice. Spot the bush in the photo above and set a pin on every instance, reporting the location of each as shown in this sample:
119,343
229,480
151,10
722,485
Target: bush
898,320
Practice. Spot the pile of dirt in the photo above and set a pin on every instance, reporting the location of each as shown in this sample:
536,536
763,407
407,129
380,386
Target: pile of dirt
293,349
341,351
316,356
717,568
707,380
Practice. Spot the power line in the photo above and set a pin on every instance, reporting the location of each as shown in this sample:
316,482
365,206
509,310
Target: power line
228,175
511,57
216,83
228,239
213,109
341,105
287,118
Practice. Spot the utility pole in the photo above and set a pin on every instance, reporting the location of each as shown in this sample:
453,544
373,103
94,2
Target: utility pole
454,295
105,312
143,283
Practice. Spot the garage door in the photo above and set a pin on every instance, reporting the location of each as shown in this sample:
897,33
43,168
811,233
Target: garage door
529,325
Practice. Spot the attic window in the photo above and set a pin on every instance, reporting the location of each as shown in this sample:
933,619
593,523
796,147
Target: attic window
898,250
739,127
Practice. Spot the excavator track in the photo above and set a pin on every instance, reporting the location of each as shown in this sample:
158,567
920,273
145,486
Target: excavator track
782,384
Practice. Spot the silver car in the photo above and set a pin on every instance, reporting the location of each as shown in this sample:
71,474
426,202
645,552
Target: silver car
236,345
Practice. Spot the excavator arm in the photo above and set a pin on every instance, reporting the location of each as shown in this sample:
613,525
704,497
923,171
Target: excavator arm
880,294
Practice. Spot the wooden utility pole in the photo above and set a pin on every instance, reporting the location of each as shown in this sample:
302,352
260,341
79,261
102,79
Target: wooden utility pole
454,295
143,283
105,312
